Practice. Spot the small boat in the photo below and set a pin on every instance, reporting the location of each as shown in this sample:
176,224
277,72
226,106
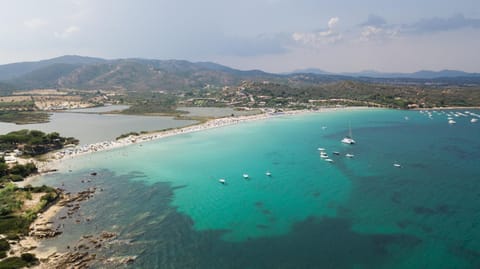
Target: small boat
268,174
329,160
348,155
336,153
222,181
323,155
245,175
397,165
451,122
473,120
321,149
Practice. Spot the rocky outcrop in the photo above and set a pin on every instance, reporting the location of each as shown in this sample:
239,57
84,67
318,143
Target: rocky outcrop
82,255
47,229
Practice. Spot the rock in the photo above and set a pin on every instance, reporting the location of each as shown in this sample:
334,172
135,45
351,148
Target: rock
107,235
129,259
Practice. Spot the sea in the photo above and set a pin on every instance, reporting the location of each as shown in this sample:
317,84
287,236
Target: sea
164,200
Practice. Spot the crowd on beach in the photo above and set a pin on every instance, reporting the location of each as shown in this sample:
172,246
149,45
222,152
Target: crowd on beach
132,139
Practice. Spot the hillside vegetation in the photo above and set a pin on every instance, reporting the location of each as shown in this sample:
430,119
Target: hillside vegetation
157,86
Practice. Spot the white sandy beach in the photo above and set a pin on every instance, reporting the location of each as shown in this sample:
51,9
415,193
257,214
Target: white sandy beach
54,158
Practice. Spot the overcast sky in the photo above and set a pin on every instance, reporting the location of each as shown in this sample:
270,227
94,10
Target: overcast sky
272,35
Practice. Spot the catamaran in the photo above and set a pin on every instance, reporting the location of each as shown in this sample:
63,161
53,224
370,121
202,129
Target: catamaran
348,139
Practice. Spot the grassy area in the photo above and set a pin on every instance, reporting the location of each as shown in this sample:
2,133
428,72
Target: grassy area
25,260
34,142
17,105
24,117
150,103
15,219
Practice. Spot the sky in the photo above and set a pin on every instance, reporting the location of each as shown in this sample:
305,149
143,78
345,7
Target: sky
271,35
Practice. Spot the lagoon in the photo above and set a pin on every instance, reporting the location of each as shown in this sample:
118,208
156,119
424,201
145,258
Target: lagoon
91,127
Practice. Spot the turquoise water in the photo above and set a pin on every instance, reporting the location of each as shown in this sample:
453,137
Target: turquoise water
163,197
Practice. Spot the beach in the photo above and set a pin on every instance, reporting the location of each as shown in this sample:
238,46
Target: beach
54,159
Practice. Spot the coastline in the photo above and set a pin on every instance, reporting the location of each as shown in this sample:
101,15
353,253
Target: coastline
53,159
447,108
31,243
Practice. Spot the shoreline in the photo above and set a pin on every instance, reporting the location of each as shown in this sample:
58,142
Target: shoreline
447,108
53,159
30,243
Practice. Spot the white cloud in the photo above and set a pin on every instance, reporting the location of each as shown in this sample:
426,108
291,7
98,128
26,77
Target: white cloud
333,22
377,33
327,36
35,23
67,32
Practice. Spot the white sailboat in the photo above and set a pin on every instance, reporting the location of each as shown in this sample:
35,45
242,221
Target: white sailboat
348,139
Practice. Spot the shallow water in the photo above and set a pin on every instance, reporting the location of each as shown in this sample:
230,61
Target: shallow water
164,197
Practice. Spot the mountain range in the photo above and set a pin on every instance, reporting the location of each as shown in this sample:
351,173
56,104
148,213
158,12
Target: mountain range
423,74
79,72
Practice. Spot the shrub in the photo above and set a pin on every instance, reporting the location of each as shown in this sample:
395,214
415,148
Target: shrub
13,262
4,246
29,258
